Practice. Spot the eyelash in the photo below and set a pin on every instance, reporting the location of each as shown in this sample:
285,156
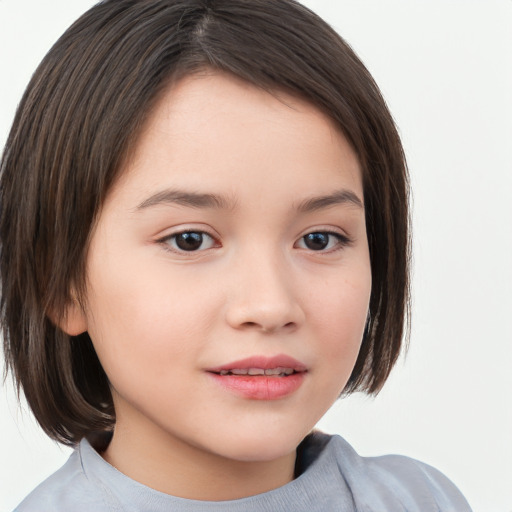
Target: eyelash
167,240
342,241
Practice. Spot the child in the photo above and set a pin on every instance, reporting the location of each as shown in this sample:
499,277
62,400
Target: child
204,234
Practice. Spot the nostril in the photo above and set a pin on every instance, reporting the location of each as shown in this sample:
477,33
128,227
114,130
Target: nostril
268,328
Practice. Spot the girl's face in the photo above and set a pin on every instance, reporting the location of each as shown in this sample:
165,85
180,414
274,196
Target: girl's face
235,239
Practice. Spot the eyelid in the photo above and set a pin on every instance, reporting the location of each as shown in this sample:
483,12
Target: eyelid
164,240
343,239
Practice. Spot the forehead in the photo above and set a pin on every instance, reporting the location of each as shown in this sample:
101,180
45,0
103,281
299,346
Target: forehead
213,129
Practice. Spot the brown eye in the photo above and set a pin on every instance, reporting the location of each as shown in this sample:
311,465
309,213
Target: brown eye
323,241
316,241
190,241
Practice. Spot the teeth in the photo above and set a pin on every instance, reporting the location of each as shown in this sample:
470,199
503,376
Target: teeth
279,371
237,371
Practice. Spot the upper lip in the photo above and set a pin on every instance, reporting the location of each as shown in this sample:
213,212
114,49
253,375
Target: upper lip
263,362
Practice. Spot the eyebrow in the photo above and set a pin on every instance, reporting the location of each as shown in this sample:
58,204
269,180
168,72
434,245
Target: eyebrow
338,197
185,198
214,201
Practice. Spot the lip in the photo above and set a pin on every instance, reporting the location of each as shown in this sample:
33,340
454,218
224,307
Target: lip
264,362
261,387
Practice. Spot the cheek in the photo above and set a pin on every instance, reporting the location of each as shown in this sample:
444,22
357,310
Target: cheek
340,312
153,319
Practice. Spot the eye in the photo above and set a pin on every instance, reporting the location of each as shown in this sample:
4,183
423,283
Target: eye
189,241
322,241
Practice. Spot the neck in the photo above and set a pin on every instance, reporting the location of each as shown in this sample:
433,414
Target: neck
170,465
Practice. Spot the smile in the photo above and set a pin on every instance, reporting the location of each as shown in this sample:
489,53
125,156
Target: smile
260,377
276,372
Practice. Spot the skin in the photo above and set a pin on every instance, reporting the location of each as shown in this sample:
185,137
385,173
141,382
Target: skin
159,317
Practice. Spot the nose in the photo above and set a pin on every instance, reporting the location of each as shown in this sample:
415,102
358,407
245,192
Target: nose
264,297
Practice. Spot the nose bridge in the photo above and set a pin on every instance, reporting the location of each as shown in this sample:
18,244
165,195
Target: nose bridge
263,296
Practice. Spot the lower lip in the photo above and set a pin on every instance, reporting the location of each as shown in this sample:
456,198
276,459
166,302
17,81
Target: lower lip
261,387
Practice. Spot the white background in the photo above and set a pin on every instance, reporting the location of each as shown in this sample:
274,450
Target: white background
445,68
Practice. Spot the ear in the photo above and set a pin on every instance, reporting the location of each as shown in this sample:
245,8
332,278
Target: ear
73,321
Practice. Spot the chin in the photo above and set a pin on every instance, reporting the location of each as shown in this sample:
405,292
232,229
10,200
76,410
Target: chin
263,446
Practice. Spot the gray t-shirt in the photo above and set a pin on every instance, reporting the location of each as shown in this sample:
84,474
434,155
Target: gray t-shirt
332,477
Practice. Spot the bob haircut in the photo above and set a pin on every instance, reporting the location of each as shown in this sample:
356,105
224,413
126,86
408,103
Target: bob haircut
77,123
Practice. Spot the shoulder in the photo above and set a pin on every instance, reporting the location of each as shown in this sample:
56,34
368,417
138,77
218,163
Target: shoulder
395,482
418,480
67,489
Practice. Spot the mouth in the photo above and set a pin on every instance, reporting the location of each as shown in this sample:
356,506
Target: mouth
257,366
261,378
263,372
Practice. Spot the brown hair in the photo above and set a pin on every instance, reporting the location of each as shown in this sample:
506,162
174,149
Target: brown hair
77,121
